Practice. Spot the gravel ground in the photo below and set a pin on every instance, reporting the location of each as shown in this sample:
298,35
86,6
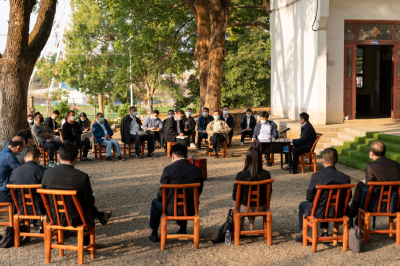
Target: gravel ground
127,189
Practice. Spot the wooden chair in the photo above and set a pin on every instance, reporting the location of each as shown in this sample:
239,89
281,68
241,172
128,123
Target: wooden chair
224,149
45,154
60,206
180,193
169,146
26,193
267,215
333,201
79,147
128,147
99,148
6,207
311,156
364,216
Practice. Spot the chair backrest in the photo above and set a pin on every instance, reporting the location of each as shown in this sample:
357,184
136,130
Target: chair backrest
36,144
60,204
61,135
385,195
333,199
25,196
256,193
319,135
180,193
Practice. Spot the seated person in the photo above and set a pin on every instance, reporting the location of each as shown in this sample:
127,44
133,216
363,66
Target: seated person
190,127
45,138
30,122
174,128
102,132
202,124
8,163
305,143
265,130
52,123
381,169
252,171
72,132
31,173
171,113
153,125
67,177
181,171
328,176
84,123
248,123
26,134
229,120
217,131
131,128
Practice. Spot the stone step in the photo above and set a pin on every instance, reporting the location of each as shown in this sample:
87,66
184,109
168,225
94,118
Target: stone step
347,136
329,134
338,141
329,129
324,140
357,132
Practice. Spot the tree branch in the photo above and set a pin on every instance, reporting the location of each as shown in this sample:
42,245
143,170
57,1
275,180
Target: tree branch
255,6
254,24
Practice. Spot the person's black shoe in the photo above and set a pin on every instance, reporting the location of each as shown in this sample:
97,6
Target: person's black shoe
109,159
150,155
269,163
293,172
324,234
209,150
154,238
286,168
216,156
86,160
120,158
104,220
138,156
229,145
181,232
299,238
198,148
165,150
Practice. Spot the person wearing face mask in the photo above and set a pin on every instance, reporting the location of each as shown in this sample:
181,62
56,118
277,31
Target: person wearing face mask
153,125
52,123
45,138
229,121
181,172
217,131
26,134
265,130
84,123
8,162
72,132
248,123
30,122
171,113
202,124
175,129
131,130
190,127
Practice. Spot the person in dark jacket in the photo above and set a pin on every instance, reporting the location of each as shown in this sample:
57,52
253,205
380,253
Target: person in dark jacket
52,123
252,171
381,169
305,143
265,130
190,127
131,130
229,121
171,113
71,132
328,176
202,124
181,172
248,124
26,134
175,129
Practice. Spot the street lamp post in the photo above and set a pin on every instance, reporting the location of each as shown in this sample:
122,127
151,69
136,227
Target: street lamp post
130,69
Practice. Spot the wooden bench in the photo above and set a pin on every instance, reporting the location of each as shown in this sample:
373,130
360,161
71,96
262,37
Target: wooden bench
224,149
311,156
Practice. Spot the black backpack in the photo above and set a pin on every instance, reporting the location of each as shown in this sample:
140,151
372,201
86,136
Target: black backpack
7,239
219,236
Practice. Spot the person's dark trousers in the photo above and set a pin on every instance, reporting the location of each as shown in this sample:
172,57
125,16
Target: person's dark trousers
191,135
51,147
185,141
230,137
201,136
5,196
138,139
296,152
156,135
302,209
352,211
96,213
215,139
86,146
267,157
246,133
155,217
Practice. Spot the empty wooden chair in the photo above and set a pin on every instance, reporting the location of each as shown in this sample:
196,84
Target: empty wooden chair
60,206
267,214
79,147
337,193
180,193
385,197
128,147
224,149
6,207
169,146
99,148
311,156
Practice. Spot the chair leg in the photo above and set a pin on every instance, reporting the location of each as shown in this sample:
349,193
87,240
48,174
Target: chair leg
47,242
10,215
80,154
163,231
80,246
361,223
305,232
196,229
391,227
129,150
113,152
142,146
367,221
92,242
314,235
315,162
60,241
17,243
265,227
335,232
168,149
345,232
100,153
95,152
28,229
269,228
398,228
302,164
124,148
236,225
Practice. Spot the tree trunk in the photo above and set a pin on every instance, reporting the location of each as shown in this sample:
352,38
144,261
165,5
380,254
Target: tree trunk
16,66
149,97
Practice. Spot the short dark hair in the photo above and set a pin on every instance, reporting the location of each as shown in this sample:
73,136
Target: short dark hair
30,116
56,112
83,115
16,141
189,109
131,108
217,111
179,150
305,116
34,152
330,156
249,110
68,152
36,115
25,134
156,112
205,108
180,112
69,112
225,106
171,111
378,148
98,114
265,114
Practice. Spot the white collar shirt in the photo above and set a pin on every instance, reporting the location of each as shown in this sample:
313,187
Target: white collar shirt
248,122
134,125
103,127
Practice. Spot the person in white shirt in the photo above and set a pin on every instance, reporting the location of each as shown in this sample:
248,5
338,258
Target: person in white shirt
229,121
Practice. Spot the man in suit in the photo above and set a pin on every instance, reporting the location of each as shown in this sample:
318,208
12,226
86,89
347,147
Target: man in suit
305,143
248,124
153,125
131,130
71,132
171,113
217,131
202,123
181,171
265,130
175,129
52,123
67,177
26,134
328,176
229,121
381,169
190,127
